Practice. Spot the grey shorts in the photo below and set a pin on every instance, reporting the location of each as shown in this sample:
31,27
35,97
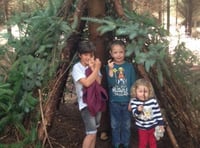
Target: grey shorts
91,122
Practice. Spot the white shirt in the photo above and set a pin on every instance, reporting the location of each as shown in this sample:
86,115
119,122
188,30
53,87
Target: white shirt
78,72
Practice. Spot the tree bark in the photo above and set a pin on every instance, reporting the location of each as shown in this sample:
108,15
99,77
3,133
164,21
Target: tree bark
119,8
96,9
6,16
190,11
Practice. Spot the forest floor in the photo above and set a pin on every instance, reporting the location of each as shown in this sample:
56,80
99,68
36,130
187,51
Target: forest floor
67,130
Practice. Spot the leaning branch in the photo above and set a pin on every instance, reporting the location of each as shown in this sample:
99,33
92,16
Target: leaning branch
62,74
119,8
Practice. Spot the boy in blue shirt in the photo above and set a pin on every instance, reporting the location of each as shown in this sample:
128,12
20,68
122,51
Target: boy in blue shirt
120,75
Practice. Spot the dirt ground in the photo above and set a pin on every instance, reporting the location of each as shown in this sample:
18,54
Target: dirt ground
67,130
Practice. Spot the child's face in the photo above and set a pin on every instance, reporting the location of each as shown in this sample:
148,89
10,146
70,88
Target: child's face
117,52
142,92
85,58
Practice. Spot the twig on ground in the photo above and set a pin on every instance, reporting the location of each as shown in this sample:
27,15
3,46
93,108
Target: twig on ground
44,122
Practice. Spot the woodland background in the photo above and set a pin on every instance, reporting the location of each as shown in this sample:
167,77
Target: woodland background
36,62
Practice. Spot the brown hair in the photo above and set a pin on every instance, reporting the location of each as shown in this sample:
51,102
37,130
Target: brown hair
142,82
86,47
117,42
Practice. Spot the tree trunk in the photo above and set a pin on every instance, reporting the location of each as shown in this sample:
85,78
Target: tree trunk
168,16
190,11
119,8
6,16
96,9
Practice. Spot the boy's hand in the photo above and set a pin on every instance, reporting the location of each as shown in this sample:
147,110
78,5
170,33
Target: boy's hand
110,64
94,63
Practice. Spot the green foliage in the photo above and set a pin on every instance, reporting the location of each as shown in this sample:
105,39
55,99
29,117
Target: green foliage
146,42
8,112
184,60
32,70
12,112
37,51
30,137
184,57
6,60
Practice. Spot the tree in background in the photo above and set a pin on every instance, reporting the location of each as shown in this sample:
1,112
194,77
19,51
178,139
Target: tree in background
189,10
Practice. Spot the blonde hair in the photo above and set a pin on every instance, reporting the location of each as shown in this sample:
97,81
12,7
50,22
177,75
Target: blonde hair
142,82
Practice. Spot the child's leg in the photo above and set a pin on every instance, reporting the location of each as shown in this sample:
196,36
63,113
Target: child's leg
90,123
89,141
143,138
105,128
126,125
115,122
152,139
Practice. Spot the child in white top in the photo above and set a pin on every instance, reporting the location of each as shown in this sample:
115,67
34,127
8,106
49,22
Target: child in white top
86,54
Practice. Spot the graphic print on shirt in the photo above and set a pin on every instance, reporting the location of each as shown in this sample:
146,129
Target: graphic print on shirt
147,113
120,87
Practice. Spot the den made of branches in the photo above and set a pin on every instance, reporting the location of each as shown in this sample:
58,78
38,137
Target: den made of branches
39,61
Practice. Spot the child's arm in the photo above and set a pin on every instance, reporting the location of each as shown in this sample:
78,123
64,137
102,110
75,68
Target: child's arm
110,67
136,110
92,64
129,105
98,79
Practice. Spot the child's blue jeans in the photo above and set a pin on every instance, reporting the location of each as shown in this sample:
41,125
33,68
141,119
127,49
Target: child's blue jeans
120,123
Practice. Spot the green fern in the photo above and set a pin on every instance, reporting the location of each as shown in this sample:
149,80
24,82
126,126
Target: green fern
38,47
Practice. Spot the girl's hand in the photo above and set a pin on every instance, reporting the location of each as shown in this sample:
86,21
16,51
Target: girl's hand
140,108
161,128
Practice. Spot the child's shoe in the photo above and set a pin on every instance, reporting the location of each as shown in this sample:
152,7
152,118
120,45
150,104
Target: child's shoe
104,136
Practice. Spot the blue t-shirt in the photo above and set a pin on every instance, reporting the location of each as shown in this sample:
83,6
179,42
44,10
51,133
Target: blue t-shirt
119,85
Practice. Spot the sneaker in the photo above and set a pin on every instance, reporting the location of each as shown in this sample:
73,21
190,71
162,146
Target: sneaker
125,146
116,146
104,136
